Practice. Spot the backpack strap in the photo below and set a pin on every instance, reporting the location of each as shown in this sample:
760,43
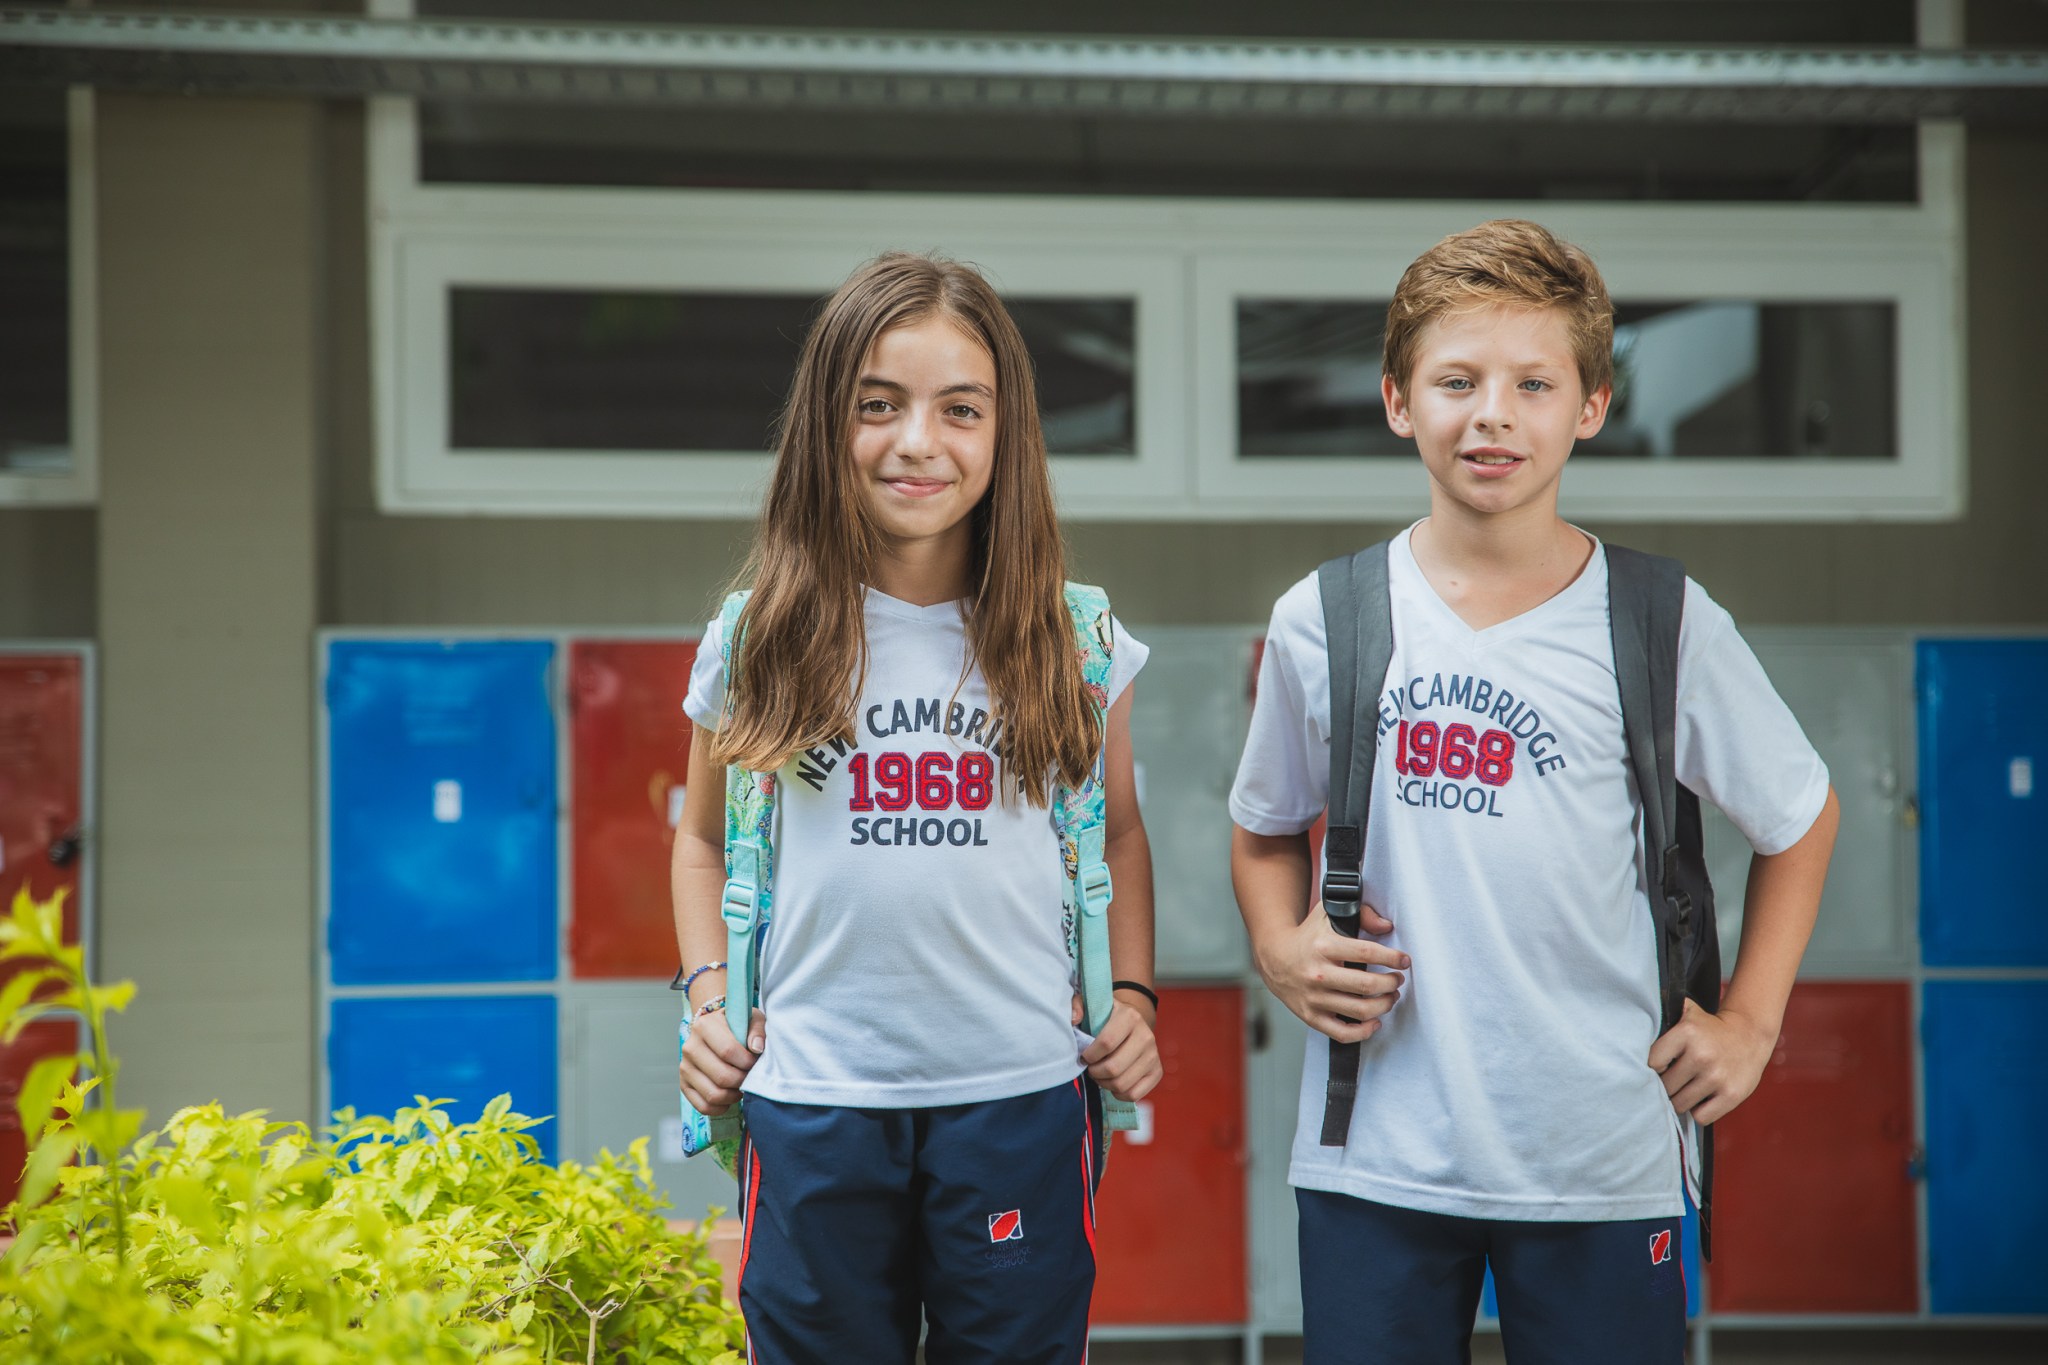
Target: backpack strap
1646,610
749,867
1080,815
1358,625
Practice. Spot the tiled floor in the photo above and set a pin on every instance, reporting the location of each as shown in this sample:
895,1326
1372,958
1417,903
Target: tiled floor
1891,1346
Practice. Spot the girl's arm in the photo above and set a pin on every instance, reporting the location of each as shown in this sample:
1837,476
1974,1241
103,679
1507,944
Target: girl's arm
714,1062
1124,1059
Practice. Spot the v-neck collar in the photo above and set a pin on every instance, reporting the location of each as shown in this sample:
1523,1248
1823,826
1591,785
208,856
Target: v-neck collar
937,614
1592,577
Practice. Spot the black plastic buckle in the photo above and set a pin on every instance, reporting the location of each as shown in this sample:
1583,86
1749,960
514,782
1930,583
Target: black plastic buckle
1342,887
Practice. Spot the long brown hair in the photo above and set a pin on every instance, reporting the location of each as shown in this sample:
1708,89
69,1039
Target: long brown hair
804,664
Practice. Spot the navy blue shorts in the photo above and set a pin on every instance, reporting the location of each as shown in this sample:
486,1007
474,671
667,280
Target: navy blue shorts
1388,1286
978,1217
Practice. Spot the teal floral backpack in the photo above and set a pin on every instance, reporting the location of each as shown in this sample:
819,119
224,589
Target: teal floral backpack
1079,816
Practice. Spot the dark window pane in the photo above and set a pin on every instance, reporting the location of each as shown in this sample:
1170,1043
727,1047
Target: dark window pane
561,369
1715,378
35,317
568,369
1084,351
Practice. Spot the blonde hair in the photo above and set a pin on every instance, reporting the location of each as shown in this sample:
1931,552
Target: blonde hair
799,678
1507,261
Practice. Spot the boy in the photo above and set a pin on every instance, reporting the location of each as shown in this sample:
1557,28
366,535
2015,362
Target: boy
1516,1102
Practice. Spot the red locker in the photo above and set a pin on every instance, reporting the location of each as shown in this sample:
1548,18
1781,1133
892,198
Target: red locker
1813,1201
48,1037
1170,1217
630,755
42,718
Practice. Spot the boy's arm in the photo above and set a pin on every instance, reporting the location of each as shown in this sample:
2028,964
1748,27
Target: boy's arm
1124,1058
713,1062
1712,1062
1303,961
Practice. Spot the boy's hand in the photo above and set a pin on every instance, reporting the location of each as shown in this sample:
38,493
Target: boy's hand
1124,1058
714,1062
1711,1062
1313,969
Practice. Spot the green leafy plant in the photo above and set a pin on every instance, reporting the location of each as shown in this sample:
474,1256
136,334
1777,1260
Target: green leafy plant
233,1238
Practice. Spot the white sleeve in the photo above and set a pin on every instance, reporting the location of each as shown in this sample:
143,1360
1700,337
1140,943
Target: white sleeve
1127,654
705,701
1739,745
1283,780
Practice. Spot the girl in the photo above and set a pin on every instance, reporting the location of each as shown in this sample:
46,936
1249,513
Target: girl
919,1135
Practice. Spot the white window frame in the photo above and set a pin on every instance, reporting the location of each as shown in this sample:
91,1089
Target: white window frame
79,486
1185,261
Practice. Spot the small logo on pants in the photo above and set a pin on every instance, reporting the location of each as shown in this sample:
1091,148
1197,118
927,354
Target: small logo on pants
1660,1247
1006,1227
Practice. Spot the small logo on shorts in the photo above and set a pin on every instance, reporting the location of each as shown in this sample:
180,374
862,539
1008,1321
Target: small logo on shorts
1660,1247
1006,1227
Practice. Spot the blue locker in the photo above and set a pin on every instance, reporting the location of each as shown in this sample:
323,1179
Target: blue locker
1987,1108
1689,1257
441,813
383,1053
1983,806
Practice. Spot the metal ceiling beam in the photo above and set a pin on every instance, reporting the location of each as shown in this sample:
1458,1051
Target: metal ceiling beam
226,53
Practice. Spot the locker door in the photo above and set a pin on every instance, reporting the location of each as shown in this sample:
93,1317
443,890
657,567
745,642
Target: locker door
48,1037
1814,1202
1987,1109
42,720
1983,802
381,1053
629,756
1187,731
1170,1217
442,810
621,1084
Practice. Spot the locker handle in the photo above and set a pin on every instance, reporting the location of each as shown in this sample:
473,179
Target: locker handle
64,848
1258,1034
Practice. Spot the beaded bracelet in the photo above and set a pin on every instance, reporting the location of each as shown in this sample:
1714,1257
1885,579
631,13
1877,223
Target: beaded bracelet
710,1007
691,979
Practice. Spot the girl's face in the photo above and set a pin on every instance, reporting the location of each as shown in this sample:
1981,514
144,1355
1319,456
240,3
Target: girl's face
924,436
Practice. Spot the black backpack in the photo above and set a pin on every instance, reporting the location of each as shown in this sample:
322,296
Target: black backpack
1646,601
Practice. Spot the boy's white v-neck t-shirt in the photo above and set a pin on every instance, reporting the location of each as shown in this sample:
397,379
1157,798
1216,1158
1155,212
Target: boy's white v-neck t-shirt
1511,1080
917,954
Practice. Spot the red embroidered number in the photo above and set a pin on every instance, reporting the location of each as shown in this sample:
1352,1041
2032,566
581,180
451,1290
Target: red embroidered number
1496,758
1456,758
892,775
1422,750
977,781
858,766
934,783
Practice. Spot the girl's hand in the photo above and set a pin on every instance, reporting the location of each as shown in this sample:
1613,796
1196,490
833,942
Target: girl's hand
1124,1058
714,1062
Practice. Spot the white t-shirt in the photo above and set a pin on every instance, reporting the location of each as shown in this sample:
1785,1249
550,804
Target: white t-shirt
1511,1080
916,955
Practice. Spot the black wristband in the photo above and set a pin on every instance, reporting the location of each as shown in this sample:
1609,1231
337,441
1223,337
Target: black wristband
1138,986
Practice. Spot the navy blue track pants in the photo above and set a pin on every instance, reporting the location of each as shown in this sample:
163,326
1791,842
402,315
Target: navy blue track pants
1388,1286
978,1217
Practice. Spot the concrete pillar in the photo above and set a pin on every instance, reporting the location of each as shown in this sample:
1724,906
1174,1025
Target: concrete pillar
208,253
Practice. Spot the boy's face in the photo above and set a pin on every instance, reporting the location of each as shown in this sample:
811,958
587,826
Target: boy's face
1494,404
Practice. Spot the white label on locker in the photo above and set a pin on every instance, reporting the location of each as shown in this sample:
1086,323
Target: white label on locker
448,801
1142,1134
668,1142
2019,777
675,805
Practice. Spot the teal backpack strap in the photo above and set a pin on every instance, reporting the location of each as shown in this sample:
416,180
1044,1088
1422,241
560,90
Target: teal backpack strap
749,886
1081,817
